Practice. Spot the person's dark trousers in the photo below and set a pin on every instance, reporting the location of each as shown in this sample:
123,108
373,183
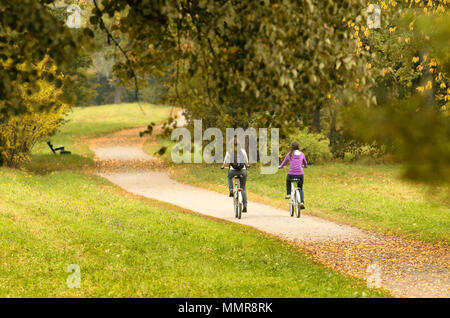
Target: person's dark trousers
231,174
300,184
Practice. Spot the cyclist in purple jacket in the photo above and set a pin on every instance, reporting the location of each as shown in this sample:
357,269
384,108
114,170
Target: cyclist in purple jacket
297,161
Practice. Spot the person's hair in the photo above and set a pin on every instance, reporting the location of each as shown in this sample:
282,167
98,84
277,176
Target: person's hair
294,146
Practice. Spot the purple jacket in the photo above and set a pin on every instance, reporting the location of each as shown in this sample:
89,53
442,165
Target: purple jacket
296,162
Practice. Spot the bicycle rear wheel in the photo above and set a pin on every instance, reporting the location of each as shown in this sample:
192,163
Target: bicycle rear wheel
236,205
240,204
297,203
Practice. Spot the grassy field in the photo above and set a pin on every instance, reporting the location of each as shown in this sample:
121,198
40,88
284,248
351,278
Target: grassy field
95,121
371,197
91,122
127,246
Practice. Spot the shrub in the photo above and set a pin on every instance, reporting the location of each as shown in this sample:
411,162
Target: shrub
314,146
20,133
355,151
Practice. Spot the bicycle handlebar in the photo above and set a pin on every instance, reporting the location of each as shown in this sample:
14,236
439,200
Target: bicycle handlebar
223,167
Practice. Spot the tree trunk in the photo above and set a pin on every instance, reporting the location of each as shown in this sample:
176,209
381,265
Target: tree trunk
2,148
316,119
332,134
117,94
428,96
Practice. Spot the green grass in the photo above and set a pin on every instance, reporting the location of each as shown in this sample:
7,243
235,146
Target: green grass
130,247
91,122
371,197
96,121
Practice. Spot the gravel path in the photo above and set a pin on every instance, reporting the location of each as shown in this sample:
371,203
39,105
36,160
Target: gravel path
407,268
158,185
120,153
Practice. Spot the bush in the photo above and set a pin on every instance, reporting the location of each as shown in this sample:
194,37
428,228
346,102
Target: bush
356,151
346,148
20,133
314,146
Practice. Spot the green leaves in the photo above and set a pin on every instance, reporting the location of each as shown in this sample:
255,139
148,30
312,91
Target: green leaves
238,63
252,55
31,32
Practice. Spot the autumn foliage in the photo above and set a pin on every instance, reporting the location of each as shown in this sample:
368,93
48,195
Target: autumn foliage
19,133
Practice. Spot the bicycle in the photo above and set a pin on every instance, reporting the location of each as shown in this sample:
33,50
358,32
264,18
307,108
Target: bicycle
295,204
238,200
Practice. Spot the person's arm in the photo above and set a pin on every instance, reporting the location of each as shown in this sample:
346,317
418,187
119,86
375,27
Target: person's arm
305,164
244,153
226,160
284,162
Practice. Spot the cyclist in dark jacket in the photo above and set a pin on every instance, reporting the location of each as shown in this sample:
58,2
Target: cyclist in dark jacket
238,162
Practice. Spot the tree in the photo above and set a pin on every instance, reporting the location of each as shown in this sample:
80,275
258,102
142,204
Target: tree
29,32
237,60
258,63
21,132
413,114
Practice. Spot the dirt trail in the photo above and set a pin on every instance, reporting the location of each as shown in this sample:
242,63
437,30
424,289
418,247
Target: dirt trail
407,268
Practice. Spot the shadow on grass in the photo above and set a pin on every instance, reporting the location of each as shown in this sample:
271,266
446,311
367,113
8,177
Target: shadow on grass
47,163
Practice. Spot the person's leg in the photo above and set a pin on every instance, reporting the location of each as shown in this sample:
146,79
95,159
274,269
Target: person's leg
244,189
300,185
230,180
288,184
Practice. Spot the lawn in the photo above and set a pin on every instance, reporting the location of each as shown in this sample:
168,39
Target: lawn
95,121
89,122
372,197
130,247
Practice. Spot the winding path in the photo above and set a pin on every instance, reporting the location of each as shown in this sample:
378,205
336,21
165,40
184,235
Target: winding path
406,268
